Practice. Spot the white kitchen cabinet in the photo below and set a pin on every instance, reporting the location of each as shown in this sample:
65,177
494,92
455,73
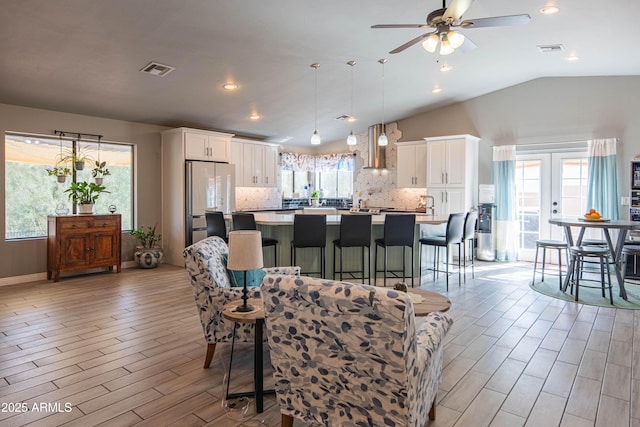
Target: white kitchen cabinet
256,163
203,145
177,147
452,172
412,164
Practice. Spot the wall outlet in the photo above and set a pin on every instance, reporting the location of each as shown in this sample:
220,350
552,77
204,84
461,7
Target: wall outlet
624,200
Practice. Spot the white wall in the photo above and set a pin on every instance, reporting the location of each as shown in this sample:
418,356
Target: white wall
30,256
543,110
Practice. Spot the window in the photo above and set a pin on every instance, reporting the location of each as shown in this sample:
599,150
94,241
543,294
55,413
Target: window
31,194
333,175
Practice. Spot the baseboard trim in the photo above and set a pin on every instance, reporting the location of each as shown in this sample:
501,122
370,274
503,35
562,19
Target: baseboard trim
35,277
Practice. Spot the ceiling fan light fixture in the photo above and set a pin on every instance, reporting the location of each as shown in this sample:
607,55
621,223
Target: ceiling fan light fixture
431,43
455,38
445,46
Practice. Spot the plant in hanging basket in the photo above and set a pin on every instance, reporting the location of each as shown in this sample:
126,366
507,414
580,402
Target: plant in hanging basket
100,170
61,172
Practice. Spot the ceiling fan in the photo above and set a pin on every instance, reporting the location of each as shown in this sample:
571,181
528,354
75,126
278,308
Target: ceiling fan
445,20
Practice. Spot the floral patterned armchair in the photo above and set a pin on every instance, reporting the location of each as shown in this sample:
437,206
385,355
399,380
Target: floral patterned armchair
212,290
351,355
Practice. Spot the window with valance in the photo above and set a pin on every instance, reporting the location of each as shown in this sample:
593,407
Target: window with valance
330,173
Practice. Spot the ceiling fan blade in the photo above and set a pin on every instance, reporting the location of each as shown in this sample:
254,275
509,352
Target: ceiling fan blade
467,46
410,43
496,21
456,9
400,26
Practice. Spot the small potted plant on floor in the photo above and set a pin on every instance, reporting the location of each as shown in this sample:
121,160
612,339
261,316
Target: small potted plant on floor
85,194
149,253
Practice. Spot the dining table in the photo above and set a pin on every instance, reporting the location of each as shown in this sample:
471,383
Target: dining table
622,226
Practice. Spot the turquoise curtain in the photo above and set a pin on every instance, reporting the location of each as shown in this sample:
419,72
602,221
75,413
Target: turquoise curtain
602,187
506,217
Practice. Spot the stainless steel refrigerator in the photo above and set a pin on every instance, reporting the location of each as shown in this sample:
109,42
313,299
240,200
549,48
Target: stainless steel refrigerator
210,187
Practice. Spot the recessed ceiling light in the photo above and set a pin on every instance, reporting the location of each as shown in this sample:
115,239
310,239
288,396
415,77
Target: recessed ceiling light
549,10
446,67
230,86
572,58
254,116
436,90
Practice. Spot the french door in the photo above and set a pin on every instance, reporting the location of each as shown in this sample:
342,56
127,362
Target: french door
548,185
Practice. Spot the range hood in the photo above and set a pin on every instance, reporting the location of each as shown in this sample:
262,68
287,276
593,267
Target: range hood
376,158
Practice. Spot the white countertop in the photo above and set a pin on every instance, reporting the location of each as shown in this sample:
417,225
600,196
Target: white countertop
287,219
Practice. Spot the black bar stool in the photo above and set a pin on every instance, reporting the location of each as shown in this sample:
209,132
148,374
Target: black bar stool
309,231
550,244
247,221
453,236
399,230
216,225
578,253
469,236
355,232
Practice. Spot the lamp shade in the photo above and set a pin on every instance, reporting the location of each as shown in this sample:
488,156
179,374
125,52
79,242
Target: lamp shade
455,38
351,139
315,138
431,43
245,250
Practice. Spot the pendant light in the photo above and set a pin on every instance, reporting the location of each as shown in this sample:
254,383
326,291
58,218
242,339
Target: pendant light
351,139
382,139
315,138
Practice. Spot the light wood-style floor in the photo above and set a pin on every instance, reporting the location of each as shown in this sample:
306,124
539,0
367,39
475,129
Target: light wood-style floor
124,349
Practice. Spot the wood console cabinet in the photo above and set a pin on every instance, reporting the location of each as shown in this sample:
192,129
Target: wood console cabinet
82,242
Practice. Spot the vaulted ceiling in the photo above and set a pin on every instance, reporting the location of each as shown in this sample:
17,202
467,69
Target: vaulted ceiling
85,57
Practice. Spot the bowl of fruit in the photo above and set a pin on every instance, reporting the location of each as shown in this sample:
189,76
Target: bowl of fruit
593,215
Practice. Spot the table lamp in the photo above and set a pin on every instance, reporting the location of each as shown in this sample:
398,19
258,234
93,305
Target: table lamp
245,253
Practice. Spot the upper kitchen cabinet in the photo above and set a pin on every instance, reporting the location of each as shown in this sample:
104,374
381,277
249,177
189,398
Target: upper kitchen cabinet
412,162
452,172
256,163
205,145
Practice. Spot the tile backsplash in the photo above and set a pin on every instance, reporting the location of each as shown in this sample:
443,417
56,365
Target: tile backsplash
248,198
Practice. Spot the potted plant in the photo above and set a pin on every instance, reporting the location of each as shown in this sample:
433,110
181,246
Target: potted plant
149,253
60,172
85,194
100,170
315,198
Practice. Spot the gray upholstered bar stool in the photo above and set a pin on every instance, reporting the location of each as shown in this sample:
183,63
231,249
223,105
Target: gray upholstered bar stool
550,244
578,253
627,251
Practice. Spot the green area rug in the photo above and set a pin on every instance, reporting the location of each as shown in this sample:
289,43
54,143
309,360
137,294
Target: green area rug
591,296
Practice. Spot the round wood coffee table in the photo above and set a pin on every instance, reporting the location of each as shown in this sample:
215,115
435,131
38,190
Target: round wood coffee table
433,301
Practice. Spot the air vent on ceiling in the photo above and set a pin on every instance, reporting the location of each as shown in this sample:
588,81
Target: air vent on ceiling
343,117
157,69
545,48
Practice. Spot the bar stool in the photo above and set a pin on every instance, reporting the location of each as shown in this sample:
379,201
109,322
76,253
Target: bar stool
631,248
453,236
355,232
399,230
216,225
550,244
309,231
469,236
247,221
578,253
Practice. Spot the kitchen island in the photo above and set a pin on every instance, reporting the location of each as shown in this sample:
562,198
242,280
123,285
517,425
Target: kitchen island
280,226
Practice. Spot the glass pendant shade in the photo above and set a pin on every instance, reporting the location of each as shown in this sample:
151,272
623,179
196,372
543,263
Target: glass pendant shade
431,43
315,138
383,141
455,39
351,139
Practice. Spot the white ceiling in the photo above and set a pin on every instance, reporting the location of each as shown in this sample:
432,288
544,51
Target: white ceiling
84,57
